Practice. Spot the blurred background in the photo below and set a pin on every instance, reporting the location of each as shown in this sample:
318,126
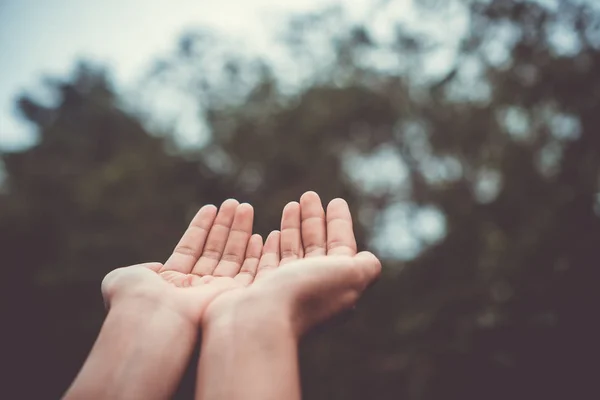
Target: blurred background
463,133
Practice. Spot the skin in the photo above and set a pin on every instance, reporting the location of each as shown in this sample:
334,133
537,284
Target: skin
154,310
252,304
251,335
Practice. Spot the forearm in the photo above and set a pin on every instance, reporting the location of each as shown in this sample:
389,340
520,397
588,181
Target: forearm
248,357
141,352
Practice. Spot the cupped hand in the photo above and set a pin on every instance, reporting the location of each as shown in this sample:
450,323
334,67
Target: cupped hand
308,271
217,253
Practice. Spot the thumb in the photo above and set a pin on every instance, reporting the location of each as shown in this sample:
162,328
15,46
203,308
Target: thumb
370,264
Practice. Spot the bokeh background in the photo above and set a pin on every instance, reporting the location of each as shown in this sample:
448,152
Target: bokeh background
463,133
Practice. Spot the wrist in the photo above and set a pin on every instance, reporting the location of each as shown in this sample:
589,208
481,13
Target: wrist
154,339
254,312
249,350
143,312
140,309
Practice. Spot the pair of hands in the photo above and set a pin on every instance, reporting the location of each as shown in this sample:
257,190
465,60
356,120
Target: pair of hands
302,274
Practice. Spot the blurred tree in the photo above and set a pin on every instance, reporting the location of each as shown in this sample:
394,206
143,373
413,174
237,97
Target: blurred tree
96,192
502,143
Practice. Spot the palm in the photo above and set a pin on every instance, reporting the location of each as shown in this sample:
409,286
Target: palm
216,253
315,251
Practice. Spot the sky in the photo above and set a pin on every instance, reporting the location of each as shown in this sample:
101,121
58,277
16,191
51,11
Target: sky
45,37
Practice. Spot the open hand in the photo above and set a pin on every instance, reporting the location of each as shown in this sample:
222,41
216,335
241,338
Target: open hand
308,271
216,253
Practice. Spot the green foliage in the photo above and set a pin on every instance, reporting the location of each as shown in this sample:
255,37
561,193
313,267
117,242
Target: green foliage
506,148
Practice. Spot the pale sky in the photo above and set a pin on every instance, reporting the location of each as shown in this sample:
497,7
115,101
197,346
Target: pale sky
46,37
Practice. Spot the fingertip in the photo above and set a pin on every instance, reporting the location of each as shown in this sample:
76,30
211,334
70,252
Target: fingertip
230,203
246,206
290,216
367,256
291,205
311,206
338,209
371,261
272,242
337,202
245,209
310,196
205,215
209,208
256,241
256,238
272,236
255,246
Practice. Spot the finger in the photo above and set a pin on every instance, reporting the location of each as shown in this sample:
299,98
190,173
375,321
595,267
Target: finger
250,265
340,235
217,238
314,233
291,242
235,249
270,255
371,265
188,250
